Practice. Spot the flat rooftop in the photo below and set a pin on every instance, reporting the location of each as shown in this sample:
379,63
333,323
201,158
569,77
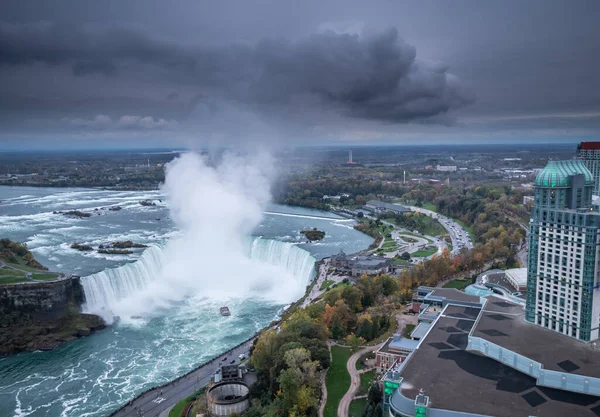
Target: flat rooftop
458,380
454,294
503,323
392,346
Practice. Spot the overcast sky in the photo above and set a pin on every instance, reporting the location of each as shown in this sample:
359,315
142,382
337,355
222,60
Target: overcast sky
190,72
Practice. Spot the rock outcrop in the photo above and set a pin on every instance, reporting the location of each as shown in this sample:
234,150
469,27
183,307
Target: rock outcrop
43,315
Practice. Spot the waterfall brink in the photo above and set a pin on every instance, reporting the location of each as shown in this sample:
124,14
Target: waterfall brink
296,261
105,290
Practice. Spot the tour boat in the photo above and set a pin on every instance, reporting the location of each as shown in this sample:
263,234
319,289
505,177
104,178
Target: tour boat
225,311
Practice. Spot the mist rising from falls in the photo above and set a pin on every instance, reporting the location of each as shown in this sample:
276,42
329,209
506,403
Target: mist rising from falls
216,208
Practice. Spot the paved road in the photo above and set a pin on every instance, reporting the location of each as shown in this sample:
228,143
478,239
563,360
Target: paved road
152,403
459,236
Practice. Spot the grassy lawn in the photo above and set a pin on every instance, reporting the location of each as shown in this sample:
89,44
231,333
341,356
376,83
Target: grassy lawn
357,407
408,329
25,268
413,234
11,276
408,239
44,277
429,206
365,381
423,253
7,272
326,284
459,284
389,245
178,408
338,379
11,280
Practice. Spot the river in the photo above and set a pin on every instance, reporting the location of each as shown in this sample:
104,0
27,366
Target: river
92,376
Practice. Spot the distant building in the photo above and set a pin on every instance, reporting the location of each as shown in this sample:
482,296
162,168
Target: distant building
528,200
446,168
357,265
589,153
379,207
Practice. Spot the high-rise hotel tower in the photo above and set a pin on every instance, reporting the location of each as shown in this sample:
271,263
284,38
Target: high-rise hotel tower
589,153
562,279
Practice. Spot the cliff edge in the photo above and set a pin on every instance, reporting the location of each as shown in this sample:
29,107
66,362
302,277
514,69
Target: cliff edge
39,310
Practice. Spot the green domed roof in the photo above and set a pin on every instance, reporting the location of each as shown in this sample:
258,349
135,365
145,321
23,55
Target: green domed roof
556,173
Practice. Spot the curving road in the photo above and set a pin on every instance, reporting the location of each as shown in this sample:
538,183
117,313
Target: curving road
154,402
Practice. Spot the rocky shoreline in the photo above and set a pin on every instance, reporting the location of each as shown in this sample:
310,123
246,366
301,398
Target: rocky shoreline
23,334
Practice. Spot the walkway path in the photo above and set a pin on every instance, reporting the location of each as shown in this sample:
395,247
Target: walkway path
322,275
344,405
28,275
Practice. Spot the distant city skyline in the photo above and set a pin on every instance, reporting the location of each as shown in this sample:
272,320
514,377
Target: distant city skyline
127,73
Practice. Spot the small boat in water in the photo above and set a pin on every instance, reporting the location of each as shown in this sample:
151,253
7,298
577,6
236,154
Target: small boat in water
225,311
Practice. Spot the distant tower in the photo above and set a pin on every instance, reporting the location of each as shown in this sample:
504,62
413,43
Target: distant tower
148,162
350,156
589,153
404,177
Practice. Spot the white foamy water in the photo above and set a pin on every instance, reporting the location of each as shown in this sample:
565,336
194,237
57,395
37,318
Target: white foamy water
94,375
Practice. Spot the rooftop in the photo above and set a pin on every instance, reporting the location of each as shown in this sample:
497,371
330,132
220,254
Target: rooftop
518,274
589,146
396,343
443,367
421,330
502,323
557,173
454,294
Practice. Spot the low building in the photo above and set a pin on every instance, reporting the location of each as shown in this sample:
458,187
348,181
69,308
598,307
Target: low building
394,351
227,373
446,168
379,207
517,277
528,200
357,265
485,359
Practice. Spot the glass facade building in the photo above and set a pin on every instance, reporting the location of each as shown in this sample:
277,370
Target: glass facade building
562,285
589,154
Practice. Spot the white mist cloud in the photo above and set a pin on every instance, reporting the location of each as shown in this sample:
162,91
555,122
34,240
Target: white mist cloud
216,207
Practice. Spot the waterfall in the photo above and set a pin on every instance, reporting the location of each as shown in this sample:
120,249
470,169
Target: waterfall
105,289
294,260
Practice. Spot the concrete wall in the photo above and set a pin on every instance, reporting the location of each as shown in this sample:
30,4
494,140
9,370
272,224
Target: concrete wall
221,406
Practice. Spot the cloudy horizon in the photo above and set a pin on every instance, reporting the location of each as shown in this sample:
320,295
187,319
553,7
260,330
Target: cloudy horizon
188,73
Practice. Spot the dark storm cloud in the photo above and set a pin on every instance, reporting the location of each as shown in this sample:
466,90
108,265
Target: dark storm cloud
375,77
